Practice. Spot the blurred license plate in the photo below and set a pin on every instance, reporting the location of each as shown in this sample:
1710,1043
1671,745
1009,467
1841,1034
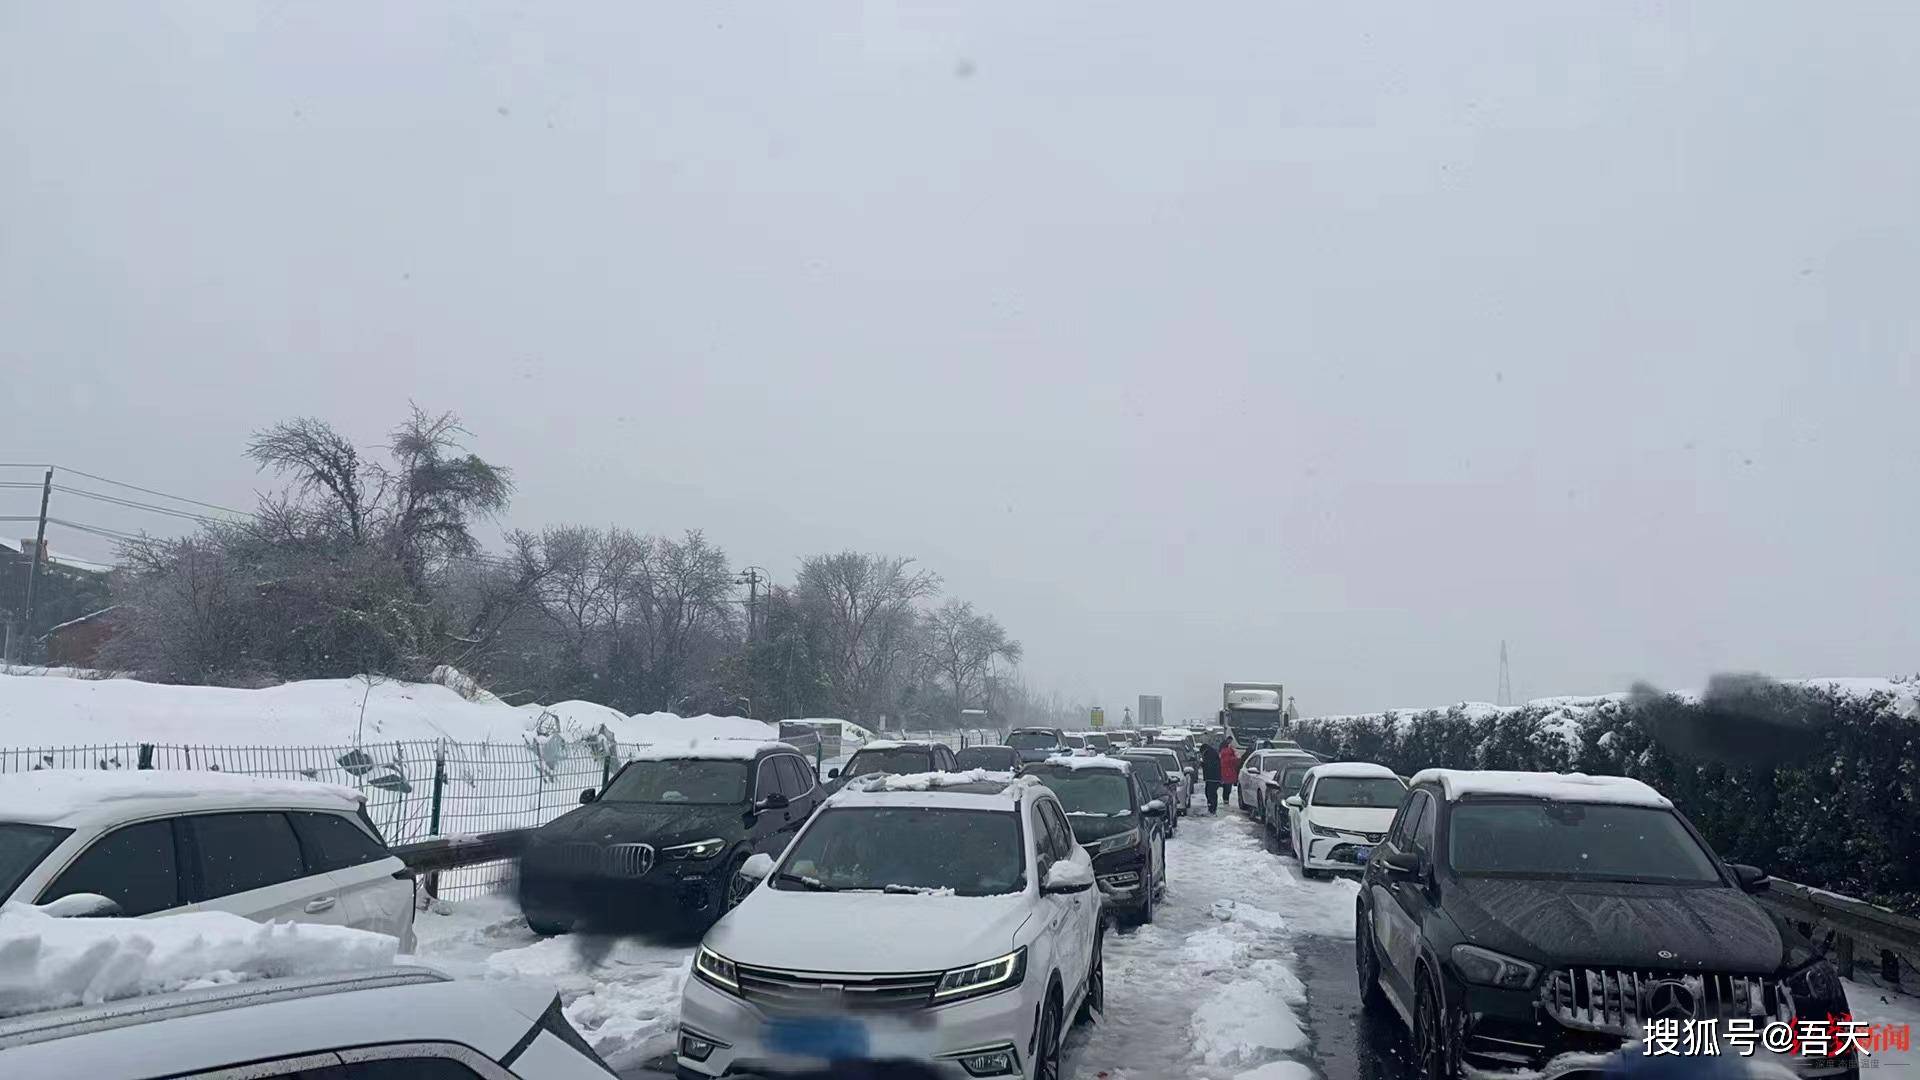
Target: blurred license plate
1361,852
833,1038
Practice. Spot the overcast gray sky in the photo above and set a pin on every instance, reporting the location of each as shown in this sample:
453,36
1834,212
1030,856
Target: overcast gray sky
1328,344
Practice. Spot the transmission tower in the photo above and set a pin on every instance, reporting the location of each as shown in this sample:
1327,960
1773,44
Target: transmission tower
1505,695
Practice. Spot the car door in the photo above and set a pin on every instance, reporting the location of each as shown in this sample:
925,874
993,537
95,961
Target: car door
249,863
375,887
773,827
1073,934
805,798
135,866
1397,899
1297,820
1141,795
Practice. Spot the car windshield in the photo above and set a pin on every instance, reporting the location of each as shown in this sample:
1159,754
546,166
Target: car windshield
21,849
711,783
1099,742
1379,792
1087,792
1150,766
907,850
1575,840
986,757
897,762
1033,740
1291,779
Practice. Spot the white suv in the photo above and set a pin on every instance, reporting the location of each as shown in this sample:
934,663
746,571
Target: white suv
171,841
943,918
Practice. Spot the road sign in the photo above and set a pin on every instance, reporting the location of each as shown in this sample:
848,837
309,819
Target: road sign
1099,717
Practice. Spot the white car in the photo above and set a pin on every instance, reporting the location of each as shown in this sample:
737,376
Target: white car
1257,771
166,841
409,1022
1343,809
941,918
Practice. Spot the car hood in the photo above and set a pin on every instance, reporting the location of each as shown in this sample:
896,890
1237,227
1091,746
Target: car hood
659,824
1359,819
1604,924
867,932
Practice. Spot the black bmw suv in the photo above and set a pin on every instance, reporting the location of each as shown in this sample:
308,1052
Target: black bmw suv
1527,921
1120,822
664,841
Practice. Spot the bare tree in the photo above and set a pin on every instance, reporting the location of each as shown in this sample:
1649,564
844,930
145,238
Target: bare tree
320,462
866,604
959,645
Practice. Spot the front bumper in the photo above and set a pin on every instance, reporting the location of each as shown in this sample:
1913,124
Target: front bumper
1334,853
1506,1034
1122,876
937,1038
691,888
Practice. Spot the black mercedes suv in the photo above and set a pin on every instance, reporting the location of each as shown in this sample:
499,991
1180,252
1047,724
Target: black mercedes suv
1529,921
1119,821
664,841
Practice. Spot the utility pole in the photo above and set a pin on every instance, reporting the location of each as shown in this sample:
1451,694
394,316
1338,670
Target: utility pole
1504,696
750,577
39,556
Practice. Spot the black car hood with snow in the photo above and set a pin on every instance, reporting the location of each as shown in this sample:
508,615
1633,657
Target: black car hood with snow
659,824
1618,924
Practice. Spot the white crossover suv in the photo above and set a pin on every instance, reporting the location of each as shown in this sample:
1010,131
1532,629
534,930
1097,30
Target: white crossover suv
1343,809
947,918
148,842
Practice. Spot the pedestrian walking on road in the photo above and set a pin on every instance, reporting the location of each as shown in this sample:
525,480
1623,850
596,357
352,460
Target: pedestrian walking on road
1229,772
1210,775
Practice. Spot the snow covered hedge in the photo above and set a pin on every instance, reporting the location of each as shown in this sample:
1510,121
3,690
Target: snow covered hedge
1836,806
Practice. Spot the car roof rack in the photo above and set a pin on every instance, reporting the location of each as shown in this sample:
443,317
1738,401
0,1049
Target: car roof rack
74,1020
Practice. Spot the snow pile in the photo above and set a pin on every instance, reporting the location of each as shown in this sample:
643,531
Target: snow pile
51,795
926,781
703,750
48,963
1089,761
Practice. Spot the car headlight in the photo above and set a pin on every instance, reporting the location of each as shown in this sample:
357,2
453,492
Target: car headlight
1488,968
1119,841
713,968
1322,830
699,849
986,977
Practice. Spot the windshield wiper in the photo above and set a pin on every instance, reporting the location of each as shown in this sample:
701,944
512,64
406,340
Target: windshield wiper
913,890
811,884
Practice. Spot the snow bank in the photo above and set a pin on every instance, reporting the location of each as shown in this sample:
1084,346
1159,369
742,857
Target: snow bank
51,795
1571,708
41,711
49,963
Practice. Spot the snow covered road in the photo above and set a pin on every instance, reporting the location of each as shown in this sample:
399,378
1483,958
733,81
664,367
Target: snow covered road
1246,974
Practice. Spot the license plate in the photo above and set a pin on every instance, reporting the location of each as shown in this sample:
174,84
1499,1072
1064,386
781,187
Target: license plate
1361,852
831,1038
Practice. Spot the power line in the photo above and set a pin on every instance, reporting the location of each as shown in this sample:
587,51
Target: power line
136,505
151,491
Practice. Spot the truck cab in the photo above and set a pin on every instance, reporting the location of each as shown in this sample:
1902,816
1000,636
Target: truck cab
1251,713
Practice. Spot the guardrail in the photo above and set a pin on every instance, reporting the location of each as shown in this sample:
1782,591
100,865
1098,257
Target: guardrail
1852,923
428,858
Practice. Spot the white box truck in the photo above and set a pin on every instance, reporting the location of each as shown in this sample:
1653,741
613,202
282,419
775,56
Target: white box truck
1251,712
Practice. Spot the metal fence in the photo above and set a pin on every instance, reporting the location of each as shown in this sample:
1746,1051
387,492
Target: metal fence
414,789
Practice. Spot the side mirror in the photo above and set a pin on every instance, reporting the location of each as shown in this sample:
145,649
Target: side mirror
833,773
1399,863
1154,808
1751,878
757,866
588,796
1067,876
774,801
1294,801
81,905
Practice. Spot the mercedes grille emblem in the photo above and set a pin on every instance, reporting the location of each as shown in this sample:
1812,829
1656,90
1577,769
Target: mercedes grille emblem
1665,955
1670,1000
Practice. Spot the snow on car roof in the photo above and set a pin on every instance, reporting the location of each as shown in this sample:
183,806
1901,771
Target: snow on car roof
895,744
706,750
1175,733
53,795
1089,761
1352,768
56,963
1561,787
975,788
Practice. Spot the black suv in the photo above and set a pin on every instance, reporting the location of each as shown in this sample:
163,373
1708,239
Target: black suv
991,758
1120,822
893,758
665,839
1511,918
